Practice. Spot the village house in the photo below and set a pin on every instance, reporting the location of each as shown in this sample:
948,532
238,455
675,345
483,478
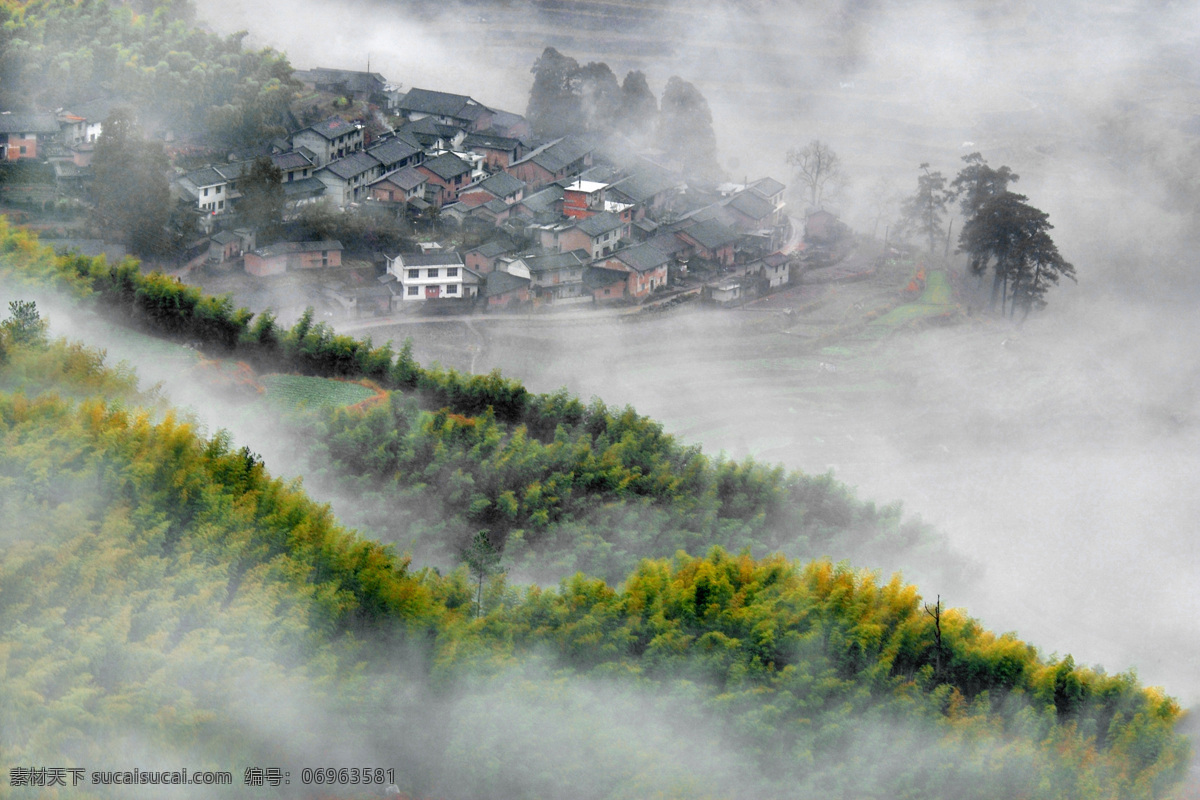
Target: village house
605,285
365,87
644,265
561,158
329,140
438,274
497,151
775,270
22,133
710,240
509,125
554,277
598,235
648,190
213,188
501,186
399,186
504,290
447,174
433,136
547,202
300,193
448,109
482,258
279,258
397,151
346,179
295,164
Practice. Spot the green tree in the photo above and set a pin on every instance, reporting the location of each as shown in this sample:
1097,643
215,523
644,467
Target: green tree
685,129
923,212
24,324
261,204
555,106
130,187
483,559
1013,238
638,113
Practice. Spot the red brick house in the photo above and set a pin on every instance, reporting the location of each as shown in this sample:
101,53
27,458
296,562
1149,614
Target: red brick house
22,133
482,259
605,285
551,162
500,186
711,240
644,265
498,151
279,258
448,174
503,290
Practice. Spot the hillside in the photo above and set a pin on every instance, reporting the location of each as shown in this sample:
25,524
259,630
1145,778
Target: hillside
164,601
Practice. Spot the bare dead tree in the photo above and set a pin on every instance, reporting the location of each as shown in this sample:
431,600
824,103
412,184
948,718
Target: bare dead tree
936,614
816,165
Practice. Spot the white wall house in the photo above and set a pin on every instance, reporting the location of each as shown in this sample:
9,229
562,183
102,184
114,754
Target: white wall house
433,276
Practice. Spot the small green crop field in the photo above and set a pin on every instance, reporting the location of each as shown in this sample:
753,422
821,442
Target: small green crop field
934,301
295,391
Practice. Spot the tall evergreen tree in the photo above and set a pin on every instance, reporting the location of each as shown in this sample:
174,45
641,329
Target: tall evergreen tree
261,205
555,107
130,185
1013,237
639,108
685,130
923,212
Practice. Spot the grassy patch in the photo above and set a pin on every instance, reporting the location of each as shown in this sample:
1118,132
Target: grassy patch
301,390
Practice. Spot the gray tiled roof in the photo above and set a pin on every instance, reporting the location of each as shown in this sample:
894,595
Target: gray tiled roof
407,178
553,261
500,282
305,187
352,165
445,258
441,104
599,277
331,128
558,154
642,257
447,166
501,184
28,122
545,200
291,160
767,186
491,141
394,150
599,224
753,205
286,248
711,234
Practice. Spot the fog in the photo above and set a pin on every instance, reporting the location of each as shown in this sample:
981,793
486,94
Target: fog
1061,455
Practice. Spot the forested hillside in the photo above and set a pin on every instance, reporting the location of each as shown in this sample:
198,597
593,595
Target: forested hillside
55,54
165,602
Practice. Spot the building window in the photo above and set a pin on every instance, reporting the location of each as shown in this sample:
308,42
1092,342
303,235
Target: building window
220,204
433,273
412,291
452,288
206,192
452,272
414,273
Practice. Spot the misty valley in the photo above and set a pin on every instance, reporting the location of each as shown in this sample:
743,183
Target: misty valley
607,400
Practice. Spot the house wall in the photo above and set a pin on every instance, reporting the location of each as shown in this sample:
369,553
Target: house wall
262,267
21,146
515,297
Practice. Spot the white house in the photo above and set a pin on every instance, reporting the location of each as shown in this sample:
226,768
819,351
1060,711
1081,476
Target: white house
434,275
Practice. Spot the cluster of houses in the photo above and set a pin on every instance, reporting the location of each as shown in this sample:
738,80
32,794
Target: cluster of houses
570,220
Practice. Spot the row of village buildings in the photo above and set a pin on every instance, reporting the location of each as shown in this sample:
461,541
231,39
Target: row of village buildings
575,221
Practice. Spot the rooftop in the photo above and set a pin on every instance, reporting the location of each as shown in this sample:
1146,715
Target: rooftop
436,258
642,257
352,165
288,248
599,224
500,282
501,184
331,128
447,166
